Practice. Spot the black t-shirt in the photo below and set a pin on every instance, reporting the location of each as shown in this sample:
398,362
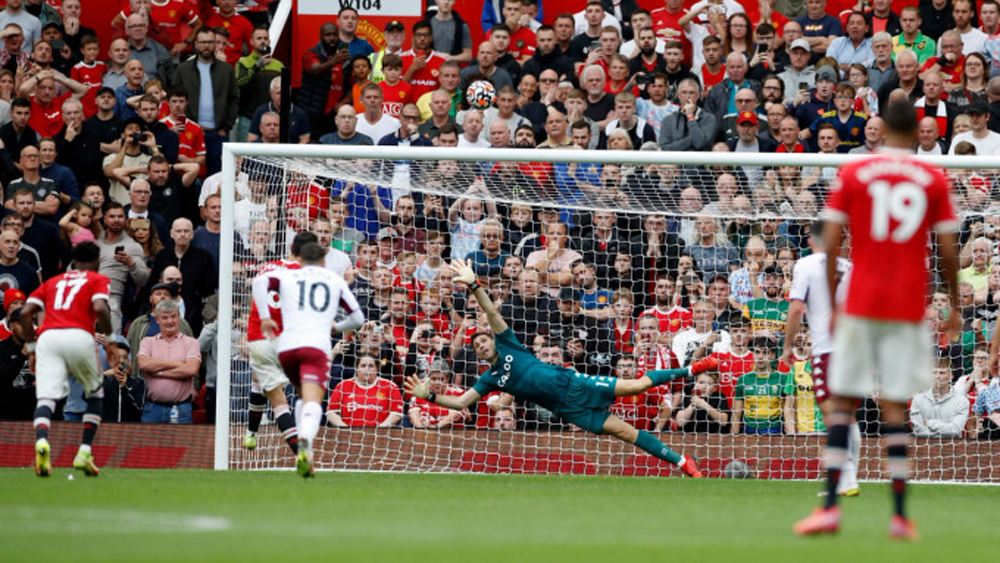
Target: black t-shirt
700,420
600,109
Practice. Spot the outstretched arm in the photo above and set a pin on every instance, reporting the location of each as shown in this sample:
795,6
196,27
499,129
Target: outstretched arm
465,274
421,388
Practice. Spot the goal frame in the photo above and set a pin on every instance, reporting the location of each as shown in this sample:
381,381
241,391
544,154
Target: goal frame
232,151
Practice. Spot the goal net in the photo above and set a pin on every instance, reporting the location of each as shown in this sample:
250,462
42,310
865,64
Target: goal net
609,262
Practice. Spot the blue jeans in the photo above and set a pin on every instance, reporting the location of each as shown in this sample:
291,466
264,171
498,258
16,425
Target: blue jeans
774,430
160,414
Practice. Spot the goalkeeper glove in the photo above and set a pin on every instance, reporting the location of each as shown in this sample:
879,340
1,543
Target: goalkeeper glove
417,387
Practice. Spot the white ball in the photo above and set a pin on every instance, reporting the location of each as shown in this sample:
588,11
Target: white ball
69,477
481,94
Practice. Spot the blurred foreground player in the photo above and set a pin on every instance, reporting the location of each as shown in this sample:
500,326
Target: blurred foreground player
71,302
576,398
269,381
810,292
892,203
309,300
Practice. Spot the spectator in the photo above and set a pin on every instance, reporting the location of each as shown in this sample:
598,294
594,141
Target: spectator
942,410
46,193
600,104
710,249
767,314
167,141
121,259
986,142
745,100
639,131
65,180
486,64
239,27
46,106
554,261
118,58
146,325
910,37
422,64
818,27
972,38
472,128
929,141
936,17
764,399
874,136
169,363
30,25
581,47
15,272
548,56
207,236
704,408
170,184
73,31
374,123
347,22
139,196
108,126
12,56
848,122
196,265
691,128
702,338
649,410
346,134
856,45
155,58
191,138
135,79
395,36
366,400
77,147
214,96
143,232
906,79
298,129
423,414
255,74
323,80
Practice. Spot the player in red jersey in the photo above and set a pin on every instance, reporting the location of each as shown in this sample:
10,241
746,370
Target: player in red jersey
72,303
893,203
268,379
240,29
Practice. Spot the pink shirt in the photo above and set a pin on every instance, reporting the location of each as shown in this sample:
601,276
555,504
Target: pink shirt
180,348
561,263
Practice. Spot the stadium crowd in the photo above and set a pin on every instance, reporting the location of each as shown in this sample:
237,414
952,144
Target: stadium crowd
120,144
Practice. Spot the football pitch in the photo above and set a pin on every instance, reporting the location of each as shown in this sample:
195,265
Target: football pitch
186,516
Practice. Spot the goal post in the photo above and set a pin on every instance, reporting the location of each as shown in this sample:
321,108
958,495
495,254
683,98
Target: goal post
770,192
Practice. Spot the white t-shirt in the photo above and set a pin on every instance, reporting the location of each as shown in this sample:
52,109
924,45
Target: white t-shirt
480,143
809,285
988,145
311,298
687,341
385,126
337,261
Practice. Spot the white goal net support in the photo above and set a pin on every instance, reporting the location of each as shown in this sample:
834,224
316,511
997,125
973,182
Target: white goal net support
608,262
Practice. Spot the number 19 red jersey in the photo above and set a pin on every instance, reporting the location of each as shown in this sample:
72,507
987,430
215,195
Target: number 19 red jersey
67,299
890,203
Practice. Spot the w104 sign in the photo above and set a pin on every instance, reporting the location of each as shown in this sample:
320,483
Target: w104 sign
394,8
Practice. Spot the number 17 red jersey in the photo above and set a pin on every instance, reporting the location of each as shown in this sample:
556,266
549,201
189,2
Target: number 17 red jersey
890,203
67,299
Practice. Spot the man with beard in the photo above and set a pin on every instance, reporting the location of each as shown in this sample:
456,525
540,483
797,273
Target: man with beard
768,314
171,192
411,238
649,62
548,56
167,140
674,68
486,64
528,308
121,259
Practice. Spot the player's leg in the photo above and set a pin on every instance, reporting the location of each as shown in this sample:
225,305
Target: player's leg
625,432
312,367
657,377
257,406
848,481
51,385
284,417
83,362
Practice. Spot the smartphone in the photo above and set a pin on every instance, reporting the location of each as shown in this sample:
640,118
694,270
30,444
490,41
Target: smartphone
595,45
803,85
119,249
689,278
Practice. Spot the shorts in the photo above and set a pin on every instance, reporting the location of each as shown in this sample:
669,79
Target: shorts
762,430
266,366
867,352
62,352
306,365
820,375
586,402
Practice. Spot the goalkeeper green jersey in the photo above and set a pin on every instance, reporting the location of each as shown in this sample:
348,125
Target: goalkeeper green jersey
517,371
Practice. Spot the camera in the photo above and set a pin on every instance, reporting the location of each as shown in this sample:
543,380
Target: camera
138,137
265,50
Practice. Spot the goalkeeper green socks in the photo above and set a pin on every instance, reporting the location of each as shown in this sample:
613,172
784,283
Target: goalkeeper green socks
648,443
661,376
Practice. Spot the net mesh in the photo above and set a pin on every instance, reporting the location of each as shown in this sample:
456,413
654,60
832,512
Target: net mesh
610,268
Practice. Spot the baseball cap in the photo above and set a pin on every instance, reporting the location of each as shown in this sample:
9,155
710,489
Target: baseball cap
746,116
52,24
771,271
170,287
800,43
826,73
567,294
977,107
105,89
395,25
386,232
13,294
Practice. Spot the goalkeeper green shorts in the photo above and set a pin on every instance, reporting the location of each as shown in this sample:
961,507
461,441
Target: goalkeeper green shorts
587,400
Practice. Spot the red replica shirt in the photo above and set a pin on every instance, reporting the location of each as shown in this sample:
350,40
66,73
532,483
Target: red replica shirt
395,97
240,30
67,299
192,140
672,321
166,19
661,358
731,367
365,406
431,414
253,323
668,28
47,120
711,79
90,76
522,43
949,73
426,79
640,410
890,202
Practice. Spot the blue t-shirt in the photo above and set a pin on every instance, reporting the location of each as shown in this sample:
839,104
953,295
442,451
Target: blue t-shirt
597,300
823,27
517,371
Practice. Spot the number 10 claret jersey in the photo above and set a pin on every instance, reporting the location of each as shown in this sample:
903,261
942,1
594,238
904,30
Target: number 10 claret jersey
68,298
310,299
890,203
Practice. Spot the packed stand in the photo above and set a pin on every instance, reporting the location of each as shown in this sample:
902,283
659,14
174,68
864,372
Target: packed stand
120,144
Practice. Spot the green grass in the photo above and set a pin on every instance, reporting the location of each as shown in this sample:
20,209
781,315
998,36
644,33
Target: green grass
188,516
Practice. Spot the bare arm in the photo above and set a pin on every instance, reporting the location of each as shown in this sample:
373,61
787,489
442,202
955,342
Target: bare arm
391,420
788,408
734,425
334,418
189,171
795,311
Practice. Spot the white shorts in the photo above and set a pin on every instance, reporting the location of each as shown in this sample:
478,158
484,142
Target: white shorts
896,355
62,352
266,366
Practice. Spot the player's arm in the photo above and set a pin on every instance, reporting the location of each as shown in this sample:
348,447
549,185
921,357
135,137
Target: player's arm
419,388
734,425
796,308
463,273
349,304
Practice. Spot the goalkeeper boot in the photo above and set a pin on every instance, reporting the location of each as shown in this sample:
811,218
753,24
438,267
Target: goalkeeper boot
901,528
820,521
84,461
250,441
690,468
304,461
704,364
43,458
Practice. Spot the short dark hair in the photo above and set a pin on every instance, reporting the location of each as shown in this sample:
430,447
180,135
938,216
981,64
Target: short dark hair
312,253
422,24
178,92
900,117
86,252
159,159
301,239
108,206
20,102
762,343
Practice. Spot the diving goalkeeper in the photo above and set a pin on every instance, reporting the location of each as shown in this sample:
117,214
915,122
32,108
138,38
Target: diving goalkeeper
576,398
